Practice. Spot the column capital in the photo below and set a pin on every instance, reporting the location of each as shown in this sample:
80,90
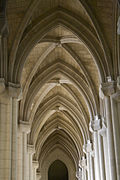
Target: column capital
79,173
98,125
95,124
87,148
38,174
30,149
24,126
15,90
83,162
108,88
35,164
102,131
10,90
116,96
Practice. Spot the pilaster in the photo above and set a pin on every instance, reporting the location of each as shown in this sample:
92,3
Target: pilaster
8,132
38,175
23,130
83,165
35,166
79,174
115,111
109,89
98,128
88,150
31,151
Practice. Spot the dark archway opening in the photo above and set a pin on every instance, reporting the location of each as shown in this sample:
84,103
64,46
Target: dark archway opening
58,171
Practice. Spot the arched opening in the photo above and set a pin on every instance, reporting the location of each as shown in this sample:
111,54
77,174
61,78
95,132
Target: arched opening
58,171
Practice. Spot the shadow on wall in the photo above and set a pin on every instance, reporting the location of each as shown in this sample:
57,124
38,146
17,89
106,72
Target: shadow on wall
58,171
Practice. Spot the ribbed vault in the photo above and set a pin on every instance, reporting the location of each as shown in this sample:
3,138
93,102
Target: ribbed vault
59,57
60,82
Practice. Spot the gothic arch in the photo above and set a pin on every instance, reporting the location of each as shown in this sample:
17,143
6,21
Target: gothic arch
51,22
59,154
58,170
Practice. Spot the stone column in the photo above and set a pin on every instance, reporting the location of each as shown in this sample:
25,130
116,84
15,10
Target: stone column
98,128
38,176
35,166
94,126
108,89
87,148
83,165
9,97
115,104
5,135
101,158
24,129
19,156
79,173
14,138
31,151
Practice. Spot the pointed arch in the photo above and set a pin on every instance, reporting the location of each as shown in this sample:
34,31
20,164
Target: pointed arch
40,29
58,170
66,71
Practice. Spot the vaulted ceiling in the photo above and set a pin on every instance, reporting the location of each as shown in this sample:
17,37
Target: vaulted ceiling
60,51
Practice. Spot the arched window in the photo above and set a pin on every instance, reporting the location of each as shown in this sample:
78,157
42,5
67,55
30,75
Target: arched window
58,171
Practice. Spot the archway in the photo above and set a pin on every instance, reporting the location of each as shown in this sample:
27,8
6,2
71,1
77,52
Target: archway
57,171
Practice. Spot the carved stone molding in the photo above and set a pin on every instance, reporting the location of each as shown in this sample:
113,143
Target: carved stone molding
83,162
10,90
30,149
87,148
79,174
116,96
109,88
15,90
35,164
102,131
95,124
24,126
98,125
38,174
